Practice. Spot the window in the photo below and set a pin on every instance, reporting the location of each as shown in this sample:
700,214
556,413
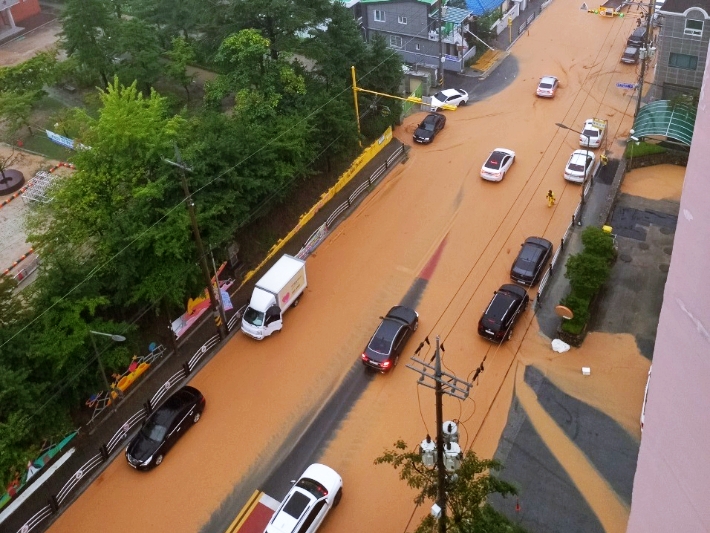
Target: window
395,41
379,15
683,61
694,27
417,47
401,19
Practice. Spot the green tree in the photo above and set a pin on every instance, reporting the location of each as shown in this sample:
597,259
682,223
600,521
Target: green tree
140,54
21,87
279,21
120,212
466,491
381,72
180,55
90,33
258,81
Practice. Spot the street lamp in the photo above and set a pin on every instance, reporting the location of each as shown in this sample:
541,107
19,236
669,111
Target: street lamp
115,338
584,178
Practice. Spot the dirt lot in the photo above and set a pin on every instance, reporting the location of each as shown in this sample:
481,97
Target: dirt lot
26,46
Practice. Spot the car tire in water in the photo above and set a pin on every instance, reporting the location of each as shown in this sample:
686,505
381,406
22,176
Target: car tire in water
339,495
509,335
295,302
159,459
196,418
416,325
396,360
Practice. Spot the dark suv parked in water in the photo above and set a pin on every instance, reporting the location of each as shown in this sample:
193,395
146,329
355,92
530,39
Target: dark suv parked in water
498,319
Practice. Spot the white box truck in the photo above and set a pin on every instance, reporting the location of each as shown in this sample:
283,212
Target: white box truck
276,291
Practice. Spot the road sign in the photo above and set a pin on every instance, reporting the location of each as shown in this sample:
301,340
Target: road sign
622,85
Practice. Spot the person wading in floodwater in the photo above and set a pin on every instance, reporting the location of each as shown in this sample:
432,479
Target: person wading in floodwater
550,198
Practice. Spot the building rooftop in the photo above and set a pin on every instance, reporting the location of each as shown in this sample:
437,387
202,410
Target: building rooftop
681,6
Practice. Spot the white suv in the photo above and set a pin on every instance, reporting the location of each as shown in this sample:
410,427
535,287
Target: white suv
308,502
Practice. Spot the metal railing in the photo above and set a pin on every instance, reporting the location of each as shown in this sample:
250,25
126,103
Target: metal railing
106,450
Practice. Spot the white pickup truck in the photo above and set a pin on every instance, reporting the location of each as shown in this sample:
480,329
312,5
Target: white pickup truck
593,133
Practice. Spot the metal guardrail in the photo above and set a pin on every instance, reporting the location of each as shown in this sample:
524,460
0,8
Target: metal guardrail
117,439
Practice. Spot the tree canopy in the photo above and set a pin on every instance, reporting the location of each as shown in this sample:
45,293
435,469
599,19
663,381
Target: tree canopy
466,491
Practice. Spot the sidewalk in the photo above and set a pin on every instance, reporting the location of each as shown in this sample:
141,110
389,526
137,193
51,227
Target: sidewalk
89,440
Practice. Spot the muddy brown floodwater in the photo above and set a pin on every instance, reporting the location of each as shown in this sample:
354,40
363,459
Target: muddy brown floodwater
258,392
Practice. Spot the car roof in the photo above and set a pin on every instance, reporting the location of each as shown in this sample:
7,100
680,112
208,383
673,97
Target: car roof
548,79
450,92
631,50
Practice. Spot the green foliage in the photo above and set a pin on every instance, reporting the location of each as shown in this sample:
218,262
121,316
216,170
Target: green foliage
89,33
466,493
31,75
587,272
636,149
180,55
258,81
21,87
139,58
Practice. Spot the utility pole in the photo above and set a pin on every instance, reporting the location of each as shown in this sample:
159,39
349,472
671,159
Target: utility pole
216,280
442,60
444,383
647,54
214,299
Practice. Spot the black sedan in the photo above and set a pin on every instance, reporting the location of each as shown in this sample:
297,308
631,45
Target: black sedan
533,256
429,127
507,304
162,429
385,346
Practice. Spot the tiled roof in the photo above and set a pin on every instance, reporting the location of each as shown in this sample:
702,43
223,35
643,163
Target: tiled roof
681,6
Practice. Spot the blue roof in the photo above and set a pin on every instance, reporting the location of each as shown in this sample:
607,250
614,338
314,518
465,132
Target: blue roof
481,7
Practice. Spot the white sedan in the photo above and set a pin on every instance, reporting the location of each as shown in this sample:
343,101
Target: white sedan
497,164
581,166
308,502
454,97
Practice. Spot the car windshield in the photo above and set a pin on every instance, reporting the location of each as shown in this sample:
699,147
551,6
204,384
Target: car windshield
545,85
575,167
296,504
440,96
154,431
253,317
591,133
427,126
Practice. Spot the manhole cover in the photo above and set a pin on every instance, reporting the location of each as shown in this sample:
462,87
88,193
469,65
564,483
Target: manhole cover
668,250
666,231
663,268
626,258
643,245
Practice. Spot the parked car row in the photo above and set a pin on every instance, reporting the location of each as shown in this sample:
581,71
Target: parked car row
632,52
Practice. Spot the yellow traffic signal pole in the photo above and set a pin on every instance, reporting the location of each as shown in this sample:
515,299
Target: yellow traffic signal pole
413,99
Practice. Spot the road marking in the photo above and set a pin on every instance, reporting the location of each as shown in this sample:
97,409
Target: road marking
245,512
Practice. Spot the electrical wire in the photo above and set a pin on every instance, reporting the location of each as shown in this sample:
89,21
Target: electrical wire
100,267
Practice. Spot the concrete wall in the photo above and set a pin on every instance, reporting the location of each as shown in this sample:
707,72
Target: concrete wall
672,481
672,39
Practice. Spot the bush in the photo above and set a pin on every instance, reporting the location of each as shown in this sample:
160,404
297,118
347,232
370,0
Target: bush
587,272
636,149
